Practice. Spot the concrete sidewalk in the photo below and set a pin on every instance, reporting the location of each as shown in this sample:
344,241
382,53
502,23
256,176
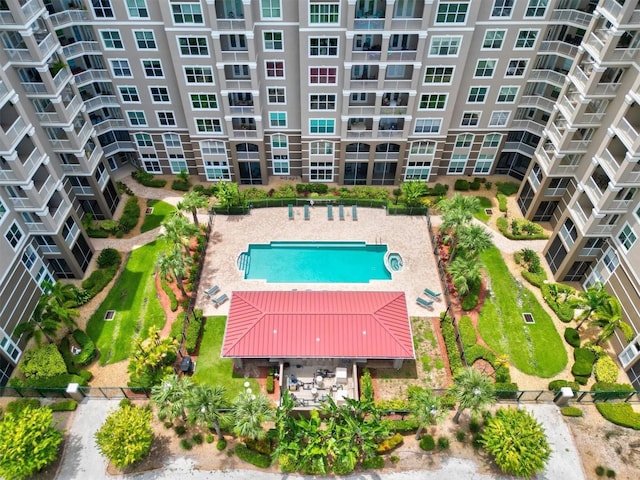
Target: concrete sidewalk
82,460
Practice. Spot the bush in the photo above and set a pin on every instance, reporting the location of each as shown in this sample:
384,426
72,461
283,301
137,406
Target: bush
535,279
64,406
270,384
401,426
390,443
126,435
254,458
180,430
449,335
16,407
220,444
443,443
502,203
507,188
181,185
460,436
147,179
192,335
621,414
572,337
470,300
571,411
185,444
343,465
109,257
461,185
584,360
307,188
606,369
373,463
556,385
87,348
130,215
42,362
169,292
474,426
611,473
506,390
600,470
427,443
475,185
178,325
99,279
608,391
197,438
467,332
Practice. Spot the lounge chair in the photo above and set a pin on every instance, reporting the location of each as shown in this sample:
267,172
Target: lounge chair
290,212
330,212
431,293
223,298
341,212
213,290
354,212
306,211
424,303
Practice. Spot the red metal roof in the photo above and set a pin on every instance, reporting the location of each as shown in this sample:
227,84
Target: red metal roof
310,324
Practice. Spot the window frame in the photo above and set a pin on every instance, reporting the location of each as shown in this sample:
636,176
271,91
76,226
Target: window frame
534,8
323,73
207,125
506,114
274,69
316,18
187,50
137,115
143,43
469,117
449,43
485,68
12,236
323,126
135,5
439,102
152,65
500,7
427,125
127,97
201,74
322,99
516,68
448,13
273,8
191,14
510,97
436,74
110,43
277,119
272,44
624,236
205,103
166,118
121,62
493,40
273,92
328,48
526,40
155,96
478,94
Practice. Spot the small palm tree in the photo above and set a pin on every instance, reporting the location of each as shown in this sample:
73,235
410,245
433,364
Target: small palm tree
204,404
473,240
60,303
473,390
248,413
179,231
192,201
172,264
590,302
609,318
464,272
457,212
170,397
425,407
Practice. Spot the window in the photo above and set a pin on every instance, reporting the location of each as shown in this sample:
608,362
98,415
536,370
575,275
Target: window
160,94
485,68
143,140
470,119
3,210
187,13
536,8
433,101
324,13
499,119
323,47
610,260
276,95
277,119
270,9
322,102
137,118
322,125
166,119
464,140
240,71
477,94
627,237
452,12
14,235
211,147
438,75
484,164
145,39
457,164
507,94
502,8
280,164
493,39
516,68
491,140
29,257
326,75
208,125
423,148
152,68
121,68
137,8
193,46
111,40
427,125
273,41
102,8
274,69
150,163
199,74
526,39
204,101
444,46
279,141
172,140
177,163
129,94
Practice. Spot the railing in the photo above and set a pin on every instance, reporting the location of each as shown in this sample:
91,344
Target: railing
242,110
402,55
61,77
612,7
116,147
231,24
575,17
101,101
234,56
557,46
368,24
15,130
364,111
66,18
92,76
245,133
557,78
404,24
80,48
536,101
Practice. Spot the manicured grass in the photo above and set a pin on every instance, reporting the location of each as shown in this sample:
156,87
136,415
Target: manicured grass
161,211
535,349
134,298
211,369
484,203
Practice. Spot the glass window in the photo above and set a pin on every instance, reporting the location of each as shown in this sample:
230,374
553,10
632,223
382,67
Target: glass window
627,237
152,68
516,68
3,210
324,13
502,8
433,101
150,163
208,125
143,140
477,94
121,68
187,13
526,39
137,8
321,125
438,75
464,140
274,69
457,164
323,47
444,46
160,94
507,94
491,140
166,119
270,9
14,235
129,94
111,40
145,39
280,164
277,119
177,163
322,102
193,46
610,260
452,12
273,41
102,8
204,101
493,39
428,125
172,140
470,119
276,95
137,118
536,8
485,68
484,164
499,119
423,148
326,75
279,140
199,74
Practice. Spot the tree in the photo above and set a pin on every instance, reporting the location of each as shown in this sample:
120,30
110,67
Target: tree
178,231
517,442
126,435
473,240
172,264
425,407
590,301
192,201
151,359
609,317
457,212
29,441
171,397
472,390
228,194
204,406
413,191
464,272
248,413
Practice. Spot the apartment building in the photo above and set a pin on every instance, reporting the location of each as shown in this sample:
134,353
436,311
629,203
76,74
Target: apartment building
353,92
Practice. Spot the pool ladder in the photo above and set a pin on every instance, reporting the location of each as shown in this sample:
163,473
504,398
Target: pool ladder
243,262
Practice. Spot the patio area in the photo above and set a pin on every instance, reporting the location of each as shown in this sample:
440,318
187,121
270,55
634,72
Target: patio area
311,385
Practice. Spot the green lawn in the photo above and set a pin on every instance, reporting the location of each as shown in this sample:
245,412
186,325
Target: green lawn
480,214
211,369
535,349
161,211
133,296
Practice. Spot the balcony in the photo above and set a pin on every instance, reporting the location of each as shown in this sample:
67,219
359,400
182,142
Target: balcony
399,84
28,10
80,48
242,109
628,134
520,147
406,24
231,24
47,187
110,124
361,110
87,76
593,191
245,133
72,234
401,55
234,84
572,17
45,49
550,76
234,56
4,92
368,24
69,18
562,48
13,132
542,103
61,78
101,101
611,7
115,147
528,125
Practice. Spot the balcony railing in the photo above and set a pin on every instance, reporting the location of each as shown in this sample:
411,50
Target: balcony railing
628,134
15,131
401,55
116,147
574,17
231,24
406,24
88,76
245,133
69,17
29,9
551,76
232,56
80,48
242,110
368,24
562,48
61,78
537,101
361,111
101,101
612,7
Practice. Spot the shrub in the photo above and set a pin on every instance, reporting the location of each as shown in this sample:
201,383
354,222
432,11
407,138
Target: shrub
572,337
502,203
390,443
507,188
571,411
467,332
373,463
178,325
87,348
170,294
181,185
270,384
474,426
185,444
42,362
180,430
192,335
475,185
582,379
57,381
99,279
470,300
343,465
427,443
197,438
606,369
535,279
85,375
449,335
109,257
126,435
402,426
254,458
621,414
147,179
608,391
307,188
461,185
64,406
556,385
611,473
584,360
16,407
506,390
130,215
460,436
220,444
443,443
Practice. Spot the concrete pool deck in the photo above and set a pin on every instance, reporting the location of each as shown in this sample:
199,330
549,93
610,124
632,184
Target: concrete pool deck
406,235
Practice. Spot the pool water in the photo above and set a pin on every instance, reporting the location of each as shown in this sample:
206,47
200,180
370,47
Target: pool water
314,262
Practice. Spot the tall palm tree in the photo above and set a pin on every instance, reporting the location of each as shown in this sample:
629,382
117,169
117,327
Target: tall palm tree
473,240
172,264
609,318
457,212
170,397
39,325
204,404
464,272
426,408
248,413
179,231
61,302
192,201
590,301
473,390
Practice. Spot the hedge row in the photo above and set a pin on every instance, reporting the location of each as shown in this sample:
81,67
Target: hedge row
130,215
503,225
172,296
402,426
449,335
254,458
64,406
389,443
506,390
571,411
502,202
99,279
572,337
563,310
192,335
621,414
556,385
147,179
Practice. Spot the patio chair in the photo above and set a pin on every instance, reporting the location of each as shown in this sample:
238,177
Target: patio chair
431,293
330,212
220,300
424,303
290,211
341,212
213,290
354,212
306,211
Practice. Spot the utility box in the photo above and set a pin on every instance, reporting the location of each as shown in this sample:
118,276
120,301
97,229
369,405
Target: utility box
74,392
563,396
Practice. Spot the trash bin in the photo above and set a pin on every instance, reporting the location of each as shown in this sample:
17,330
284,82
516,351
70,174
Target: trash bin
186,365
563,396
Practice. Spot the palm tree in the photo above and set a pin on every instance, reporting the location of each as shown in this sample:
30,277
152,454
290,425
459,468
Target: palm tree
425,407
61,302
473,390
590,302
464,272
172,264
170,397
179,231
192,201
248,413
609,318
39,325
457,212
473,240
204,404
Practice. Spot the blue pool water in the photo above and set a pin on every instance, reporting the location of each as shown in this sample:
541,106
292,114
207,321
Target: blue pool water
315,262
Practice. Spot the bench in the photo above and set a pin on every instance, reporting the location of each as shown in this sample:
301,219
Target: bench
424,303
431,293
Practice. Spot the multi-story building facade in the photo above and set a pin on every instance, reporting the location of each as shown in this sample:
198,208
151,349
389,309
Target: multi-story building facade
353,92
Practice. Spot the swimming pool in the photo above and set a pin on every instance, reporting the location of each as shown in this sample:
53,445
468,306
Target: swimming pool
314,262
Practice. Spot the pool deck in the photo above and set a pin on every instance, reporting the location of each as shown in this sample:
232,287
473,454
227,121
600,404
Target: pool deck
406,235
